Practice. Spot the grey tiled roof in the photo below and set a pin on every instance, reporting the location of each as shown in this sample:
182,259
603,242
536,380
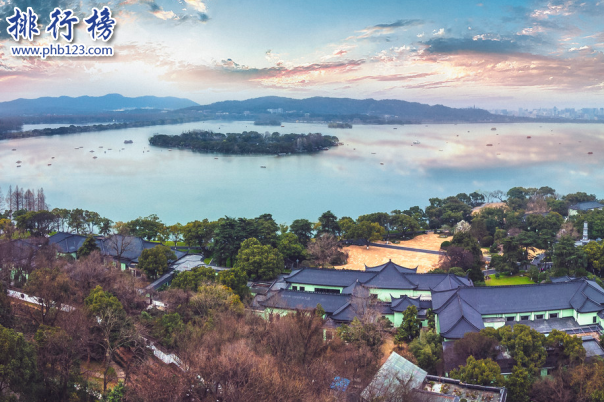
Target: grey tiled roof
400,304
388,277
400,268
291,299
328,277
461,309
67,242
585,206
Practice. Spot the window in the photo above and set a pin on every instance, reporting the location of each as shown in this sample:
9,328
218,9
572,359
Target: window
524,317
294,288
595,319
326,290
302,288
553,315
510,318
539,317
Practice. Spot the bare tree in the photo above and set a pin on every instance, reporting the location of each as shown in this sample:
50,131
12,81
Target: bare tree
327,250
120,244
537,204
498,195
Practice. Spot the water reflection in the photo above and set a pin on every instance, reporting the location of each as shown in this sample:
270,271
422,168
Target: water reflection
378,169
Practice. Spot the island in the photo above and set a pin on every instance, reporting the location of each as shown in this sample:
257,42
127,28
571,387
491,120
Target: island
339,125
267,123
248,142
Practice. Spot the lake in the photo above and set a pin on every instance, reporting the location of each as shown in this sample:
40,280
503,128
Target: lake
378,169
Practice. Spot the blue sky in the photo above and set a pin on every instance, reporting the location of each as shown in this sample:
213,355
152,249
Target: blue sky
492,54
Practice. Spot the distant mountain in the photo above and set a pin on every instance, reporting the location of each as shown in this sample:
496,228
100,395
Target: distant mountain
65,105
402,110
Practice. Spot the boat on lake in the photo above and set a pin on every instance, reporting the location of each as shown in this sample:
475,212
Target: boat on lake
416,142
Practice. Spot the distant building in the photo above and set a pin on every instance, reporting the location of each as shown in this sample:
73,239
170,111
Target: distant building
584,206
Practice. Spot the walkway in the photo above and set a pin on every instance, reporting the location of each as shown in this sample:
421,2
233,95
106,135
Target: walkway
417,250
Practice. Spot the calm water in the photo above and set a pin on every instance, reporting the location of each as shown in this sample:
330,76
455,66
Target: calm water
127,181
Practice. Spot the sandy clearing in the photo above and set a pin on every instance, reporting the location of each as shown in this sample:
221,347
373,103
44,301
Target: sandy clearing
359,256
489,205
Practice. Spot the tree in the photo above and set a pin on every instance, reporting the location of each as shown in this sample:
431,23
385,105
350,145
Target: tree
154,261
410,326
38,223
525,345
6,311
290,247
87,247
594,252
479,372
467,242
258,261
236,280
199,233
121,244
428,351
567,258
303,229
148,228
519,384
114,328
326,249
215,298
175,231
52,288
367,231
404,223
329,224
17,364
192,279
456,257
570,348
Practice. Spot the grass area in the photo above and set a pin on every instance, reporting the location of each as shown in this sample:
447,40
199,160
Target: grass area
509,280
207,260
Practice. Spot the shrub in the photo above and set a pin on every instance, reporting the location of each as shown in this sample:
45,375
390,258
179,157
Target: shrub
444,245
497,275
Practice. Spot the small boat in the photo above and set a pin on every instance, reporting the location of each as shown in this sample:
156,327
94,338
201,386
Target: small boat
14,149
77,148
50,164
169,149
94,157
128,142
528,137
282,126
91,151
100,147
18,165
52,157
416,142
590,153
493,129
108,149
394,128
215,158
373,153
263,167
381,163
498,154
18,161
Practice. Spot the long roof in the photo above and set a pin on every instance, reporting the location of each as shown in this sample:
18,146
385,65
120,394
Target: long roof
292,299
585,206
462,309
388,276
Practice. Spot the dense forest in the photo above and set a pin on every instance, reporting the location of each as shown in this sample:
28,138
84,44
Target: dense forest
248,142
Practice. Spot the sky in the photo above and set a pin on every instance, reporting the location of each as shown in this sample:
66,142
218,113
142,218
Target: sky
488,54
